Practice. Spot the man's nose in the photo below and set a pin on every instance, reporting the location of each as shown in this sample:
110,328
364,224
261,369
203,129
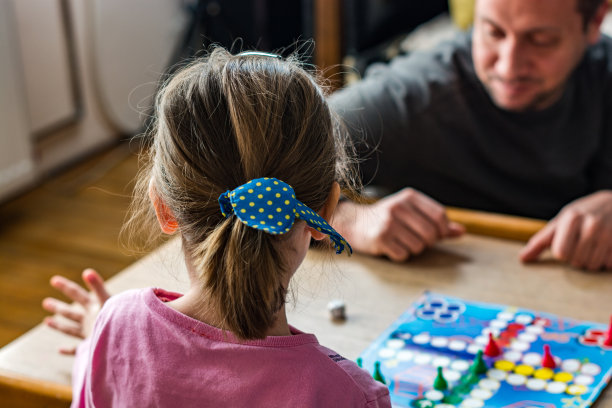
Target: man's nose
511,60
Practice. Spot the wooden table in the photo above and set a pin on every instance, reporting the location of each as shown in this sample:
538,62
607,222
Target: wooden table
376,293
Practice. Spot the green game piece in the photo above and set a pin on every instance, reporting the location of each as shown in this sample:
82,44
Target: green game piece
462,389
479,366
452,399
470,379
422,403
377,374
440,383
359,362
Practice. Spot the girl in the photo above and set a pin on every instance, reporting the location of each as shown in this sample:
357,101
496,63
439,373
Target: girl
243,165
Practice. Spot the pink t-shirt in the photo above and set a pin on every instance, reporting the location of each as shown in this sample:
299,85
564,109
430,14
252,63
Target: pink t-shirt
143,353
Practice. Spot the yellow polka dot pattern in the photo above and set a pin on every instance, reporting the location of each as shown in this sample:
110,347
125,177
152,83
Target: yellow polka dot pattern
269,204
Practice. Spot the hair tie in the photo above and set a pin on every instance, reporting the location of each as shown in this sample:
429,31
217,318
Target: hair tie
269,205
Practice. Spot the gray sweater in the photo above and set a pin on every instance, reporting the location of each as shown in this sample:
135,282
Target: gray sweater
425,121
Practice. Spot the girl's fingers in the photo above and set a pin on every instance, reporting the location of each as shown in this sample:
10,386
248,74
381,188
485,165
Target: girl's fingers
95,283
70,289
64,327
58,307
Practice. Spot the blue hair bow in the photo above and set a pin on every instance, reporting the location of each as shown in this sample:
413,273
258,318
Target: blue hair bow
269,204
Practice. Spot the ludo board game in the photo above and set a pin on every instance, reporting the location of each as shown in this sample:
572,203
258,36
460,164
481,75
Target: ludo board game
446,352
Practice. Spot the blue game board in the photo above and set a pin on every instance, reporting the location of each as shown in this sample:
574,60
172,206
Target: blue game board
442,331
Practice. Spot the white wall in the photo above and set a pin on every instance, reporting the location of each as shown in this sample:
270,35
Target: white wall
16,164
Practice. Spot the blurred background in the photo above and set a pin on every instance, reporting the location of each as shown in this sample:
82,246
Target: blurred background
77,78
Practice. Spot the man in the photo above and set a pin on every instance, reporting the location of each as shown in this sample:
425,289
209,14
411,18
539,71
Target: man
515,117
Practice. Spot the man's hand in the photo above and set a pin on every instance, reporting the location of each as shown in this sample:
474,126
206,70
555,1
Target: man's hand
398,226
581,234
83,312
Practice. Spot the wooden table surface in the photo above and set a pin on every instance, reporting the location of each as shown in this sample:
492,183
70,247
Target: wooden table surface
376,292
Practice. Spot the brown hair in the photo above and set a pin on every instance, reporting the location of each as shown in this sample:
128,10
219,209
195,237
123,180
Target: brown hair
220,122
588,8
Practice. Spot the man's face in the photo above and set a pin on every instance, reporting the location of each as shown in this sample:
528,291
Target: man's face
524,50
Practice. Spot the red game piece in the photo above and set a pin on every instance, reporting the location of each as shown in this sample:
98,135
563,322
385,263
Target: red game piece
492,350
608,340
548,360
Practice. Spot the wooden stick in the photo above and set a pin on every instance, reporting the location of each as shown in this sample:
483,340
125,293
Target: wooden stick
495,225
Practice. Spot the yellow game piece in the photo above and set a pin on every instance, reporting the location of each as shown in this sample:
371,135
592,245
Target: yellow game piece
576,389
563,377
543,373
524,369
504,365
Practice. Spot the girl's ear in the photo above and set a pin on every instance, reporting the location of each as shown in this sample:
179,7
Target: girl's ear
327,210
166,219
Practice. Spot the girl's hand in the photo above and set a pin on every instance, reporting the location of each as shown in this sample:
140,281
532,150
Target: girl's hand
82,312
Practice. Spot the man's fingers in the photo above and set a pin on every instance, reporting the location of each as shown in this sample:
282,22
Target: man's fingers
566,237
70,289
395,251
537,244
455,230
418,223
67,350
56,306
435,213
597,260
64,327
95,283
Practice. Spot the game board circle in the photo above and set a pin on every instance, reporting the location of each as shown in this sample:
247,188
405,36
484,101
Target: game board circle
405,355
516,379
584,379
426,314
544,373
422,338
504,365
485,332
472,403
396,343
563,377
474,348
556,387
481,340
489,384
595,333
451,375
571,365
444,406
535,384
505,316
535,329
441,361
404,336
481,394
523,319
532,359
386,353
590,369
434,395
460,365
496,374
513,355
520,345
576,389
457,345
439,342
456,307
524,369
436,303
498,324
422,358
446,317
588,341
527,337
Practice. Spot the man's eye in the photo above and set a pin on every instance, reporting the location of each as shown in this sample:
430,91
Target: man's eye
494,33
544,40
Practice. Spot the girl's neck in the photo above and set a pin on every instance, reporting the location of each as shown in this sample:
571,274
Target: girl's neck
191,304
